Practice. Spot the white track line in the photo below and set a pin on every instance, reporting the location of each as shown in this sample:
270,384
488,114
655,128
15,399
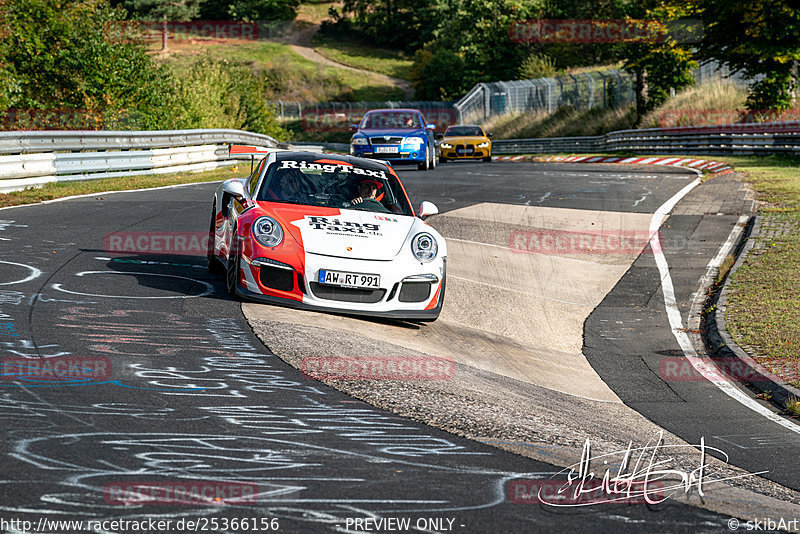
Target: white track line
674,315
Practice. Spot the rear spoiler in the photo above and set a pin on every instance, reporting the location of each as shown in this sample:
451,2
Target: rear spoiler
245,149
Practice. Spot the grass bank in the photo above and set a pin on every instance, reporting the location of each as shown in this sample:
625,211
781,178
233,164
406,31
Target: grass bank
356,54
289,76
764,303
147,181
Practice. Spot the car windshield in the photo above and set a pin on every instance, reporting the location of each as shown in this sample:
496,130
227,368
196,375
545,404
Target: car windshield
332,183
459,131
404,120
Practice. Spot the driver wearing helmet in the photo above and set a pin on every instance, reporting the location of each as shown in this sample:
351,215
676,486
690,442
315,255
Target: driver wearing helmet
367,196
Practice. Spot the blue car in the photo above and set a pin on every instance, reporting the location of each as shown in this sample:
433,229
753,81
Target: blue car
396,136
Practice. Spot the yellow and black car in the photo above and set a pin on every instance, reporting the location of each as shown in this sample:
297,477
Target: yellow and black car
465,142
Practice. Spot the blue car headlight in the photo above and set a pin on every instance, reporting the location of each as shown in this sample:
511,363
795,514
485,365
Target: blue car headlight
424,247
415,142
359,141
267,231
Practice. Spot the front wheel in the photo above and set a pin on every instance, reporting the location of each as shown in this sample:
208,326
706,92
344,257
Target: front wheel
487,159
233,267
442,159
425,165
214,265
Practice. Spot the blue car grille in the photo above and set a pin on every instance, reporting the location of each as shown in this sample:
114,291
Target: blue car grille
381,140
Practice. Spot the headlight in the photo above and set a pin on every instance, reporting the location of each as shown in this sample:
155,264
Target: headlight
485,144
445,145
359,141
424,247
416,141
267,231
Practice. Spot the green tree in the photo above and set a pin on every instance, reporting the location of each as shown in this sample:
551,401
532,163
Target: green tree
402,24
263,10
438,75
760,38
164,10
662,64
66,54
472,36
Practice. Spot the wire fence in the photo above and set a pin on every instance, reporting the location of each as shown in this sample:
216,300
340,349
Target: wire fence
589,90
600,89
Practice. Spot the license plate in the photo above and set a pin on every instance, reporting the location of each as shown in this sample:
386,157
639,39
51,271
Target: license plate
463,151
386,150
345,279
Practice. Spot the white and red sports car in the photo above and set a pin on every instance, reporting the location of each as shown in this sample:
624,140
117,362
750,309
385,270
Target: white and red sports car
328,233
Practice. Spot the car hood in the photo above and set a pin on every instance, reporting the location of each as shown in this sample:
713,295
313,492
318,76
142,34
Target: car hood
345,233
465,139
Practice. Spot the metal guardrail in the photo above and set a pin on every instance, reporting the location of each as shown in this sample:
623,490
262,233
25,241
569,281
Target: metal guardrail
34,158
27,142
746,139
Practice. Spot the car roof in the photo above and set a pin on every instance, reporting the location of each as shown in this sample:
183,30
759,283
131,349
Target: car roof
360,162
398,110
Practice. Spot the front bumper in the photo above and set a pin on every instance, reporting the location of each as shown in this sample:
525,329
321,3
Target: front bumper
298,288
404,154
464,153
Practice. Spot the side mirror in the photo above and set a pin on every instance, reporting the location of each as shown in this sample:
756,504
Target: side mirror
489,135
439,136
426,209
234,188
353,127
430,126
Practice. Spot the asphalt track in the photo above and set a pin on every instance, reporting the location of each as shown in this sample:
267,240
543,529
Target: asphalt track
188,393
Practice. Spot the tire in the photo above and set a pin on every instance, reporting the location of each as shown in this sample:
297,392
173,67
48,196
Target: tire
433,160
213,263
426,165
442,159
233,267
487,159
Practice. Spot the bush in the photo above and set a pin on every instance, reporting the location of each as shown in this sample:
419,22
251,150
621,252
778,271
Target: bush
438,75
222,94
537,65
774,92
56,55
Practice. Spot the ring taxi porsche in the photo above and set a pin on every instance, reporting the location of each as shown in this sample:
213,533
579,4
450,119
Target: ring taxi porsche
465,142
291,235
